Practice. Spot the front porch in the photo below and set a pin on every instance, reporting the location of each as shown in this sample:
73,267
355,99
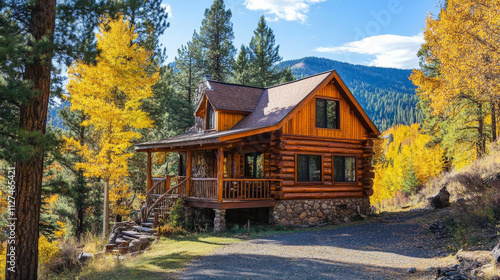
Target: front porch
237,174
230,193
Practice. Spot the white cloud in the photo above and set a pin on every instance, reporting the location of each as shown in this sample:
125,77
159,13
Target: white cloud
289,10
388,50
167,9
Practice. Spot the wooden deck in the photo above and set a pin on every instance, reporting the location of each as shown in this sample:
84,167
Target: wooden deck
228,193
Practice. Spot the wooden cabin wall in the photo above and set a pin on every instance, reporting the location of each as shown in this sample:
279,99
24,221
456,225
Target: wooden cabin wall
304,122
284,158
227,120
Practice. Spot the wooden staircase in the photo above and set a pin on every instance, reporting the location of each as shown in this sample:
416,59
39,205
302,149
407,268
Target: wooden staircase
161,198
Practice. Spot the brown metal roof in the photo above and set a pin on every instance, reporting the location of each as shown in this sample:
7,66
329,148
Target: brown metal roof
225,96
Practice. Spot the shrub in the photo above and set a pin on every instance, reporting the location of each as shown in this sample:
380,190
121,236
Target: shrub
176,217
47,251
168,230
67,259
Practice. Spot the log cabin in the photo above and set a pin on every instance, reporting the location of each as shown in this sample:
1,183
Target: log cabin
299,152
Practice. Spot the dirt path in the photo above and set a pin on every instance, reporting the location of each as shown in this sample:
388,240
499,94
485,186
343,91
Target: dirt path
382,248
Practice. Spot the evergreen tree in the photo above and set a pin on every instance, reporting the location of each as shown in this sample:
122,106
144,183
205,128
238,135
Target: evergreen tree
188,74
264,56
32,25
215,42
287,75
242,69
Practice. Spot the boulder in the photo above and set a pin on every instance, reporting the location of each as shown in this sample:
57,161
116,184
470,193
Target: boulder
496,254
84,257
441,199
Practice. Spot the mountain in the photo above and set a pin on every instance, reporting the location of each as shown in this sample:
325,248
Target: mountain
386,94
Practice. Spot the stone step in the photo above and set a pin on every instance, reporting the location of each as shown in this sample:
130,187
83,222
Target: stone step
119,241
144,229
130,233
147,225
128,238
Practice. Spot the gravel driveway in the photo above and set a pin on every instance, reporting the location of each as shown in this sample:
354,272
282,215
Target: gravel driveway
378,249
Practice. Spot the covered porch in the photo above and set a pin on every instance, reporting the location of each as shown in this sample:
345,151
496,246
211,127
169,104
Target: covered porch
229,175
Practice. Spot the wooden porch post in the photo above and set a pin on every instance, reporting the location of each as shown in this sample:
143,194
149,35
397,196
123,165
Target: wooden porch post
150,177
220,174
188,173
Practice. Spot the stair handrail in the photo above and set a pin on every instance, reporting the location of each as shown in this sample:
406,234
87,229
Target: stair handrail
153,188
163,196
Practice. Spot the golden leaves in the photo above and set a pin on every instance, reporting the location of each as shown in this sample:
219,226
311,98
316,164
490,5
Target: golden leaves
404,150
465,41
110,93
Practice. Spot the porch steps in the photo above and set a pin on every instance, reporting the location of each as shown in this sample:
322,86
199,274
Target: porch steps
144,228
130,233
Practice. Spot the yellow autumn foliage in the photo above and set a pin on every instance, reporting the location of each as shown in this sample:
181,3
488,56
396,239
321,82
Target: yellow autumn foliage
404,159
119,196
110,93
47,251
464,39
62,229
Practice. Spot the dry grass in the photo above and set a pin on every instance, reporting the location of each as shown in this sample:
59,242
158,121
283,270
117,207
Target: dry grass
161,262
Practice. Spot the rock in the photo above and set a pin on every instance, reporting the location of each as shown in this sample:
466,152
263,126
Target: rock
438,228
346,219
412,270
84,257
496,254
303,215
441,199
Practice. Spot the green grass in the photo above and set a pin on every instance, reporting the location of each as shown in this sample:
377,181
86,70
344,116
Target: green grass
166,256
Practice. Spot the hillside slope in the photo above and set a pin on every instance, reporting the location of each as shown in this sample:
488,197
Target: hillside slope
386,94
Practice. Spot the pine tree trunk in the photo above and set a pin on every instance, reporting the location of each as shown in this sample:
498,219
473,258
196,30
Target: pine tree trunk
105,214
29,173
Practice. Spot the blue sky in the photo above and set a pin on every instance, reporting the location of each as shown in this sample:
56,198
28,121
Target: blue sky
385,33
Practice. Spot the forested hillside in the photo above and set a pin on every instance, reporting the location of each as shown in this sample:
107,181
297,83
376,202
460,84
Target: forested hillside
387,95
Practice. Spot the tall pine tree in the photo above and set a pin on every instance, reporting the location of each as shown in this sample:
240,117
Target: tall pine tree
32,25
264,56
242,68
188,74
215,42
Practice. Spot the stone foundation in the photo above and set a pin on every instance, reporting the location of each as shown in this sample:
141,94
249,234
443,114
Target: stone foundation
312,212
220,220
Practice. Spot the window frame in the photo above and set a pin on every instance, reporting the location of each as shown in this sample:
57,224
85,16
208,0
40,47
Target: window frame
297,168
210,117
355,168
326,98
245,168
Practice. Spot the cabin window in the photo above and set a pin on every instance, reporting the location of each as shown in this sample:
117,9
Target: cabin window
344,169
327,113
308,168
254,165
182,164
210,116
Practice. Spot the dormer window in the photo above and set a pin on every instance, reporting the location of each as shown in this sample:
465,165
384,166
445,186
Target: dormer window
327,113
210,120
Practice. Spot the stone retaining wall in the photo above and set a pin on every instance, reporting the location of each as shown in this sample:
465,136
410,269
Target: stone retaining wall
311,212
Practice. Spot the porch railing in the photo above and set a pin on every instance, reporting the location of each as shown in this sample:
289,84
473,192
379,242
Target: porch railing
234,189
204,188
248,189
160,186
